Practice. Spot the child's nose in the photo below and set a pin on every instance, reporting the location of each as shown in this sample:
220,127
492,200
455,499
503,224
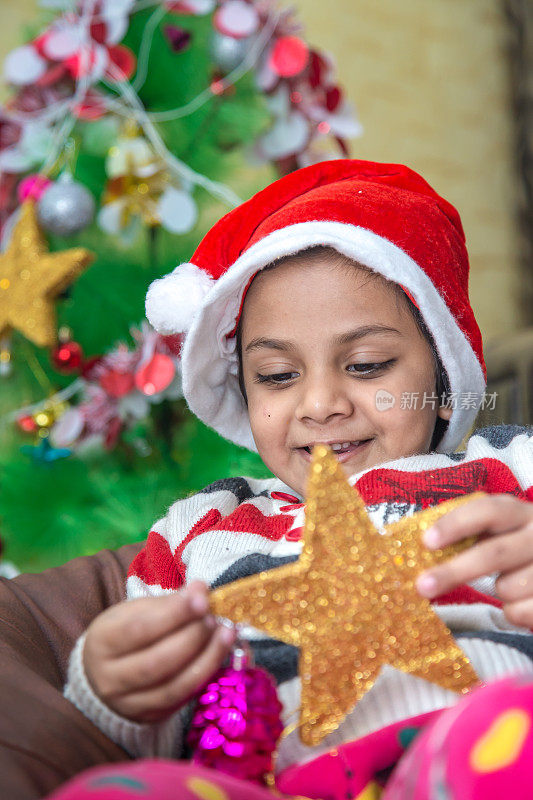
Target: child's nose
322,399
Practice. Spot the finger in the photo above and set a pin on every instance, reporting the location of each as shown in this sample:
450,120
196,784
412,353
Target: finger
156,703
515,585
490,514
499,554
160,662
136,624
520,613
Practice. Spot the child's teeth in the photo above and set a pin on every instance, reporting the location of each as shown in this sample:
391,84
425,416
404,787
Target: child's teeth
338,446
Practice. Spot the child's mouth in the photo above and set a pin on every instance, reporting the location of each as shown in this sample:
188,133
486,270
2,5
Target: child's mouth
343,450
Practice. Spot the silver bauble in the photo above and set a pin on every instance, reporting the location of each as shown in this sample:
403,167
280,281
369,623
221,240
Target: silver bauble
66,208
226,52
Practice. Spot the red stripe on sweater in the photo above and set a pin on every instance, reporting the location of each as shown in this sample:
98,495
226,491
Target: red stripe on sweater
155,564
248,519
205,523
431,487
465,595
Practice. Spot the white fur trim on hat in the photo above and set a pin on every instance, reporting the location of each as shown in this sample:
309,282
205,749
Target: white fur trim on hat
172,301
209,362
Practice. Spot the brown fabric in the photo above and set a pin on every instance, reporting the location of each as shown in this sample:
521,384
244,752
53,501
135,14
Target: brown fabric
44,739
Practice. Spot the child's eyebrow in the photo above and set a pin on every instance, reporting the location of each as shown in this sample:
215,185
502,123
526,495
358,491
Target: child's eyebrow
343,338
365,330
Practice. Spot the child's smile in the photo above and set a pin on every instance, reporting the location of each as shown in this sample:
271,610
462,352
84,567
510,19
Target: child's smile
321,341
343,450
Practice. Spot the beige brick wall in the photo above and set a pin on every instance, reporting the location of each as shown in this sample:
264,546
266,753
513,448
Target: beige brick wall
430,83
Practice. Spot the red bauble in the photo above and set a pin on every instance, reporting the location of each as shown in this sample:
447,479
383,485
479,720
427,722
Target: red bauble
156,375
67,357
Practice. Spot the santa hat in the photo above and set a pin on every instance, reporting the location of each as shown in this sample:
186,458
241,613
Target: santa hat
384,217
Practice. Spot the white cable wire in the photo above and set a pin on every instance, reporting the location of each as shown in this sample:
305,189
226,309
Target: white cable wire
248,62
250,59
60,136
181,169
144,49
58,397
132,105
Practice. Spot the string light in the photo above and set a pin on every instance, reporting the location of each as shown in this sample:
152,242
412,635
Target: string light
132,105
123,100
182,170
146,45
59,397
128,105
248,62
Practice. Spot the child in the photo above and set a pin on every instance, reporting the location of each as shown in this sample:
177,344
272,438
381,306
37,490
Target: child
331,307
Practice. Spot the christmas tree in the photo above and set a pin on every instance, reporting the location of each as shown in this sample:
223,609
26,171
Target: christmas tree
130,128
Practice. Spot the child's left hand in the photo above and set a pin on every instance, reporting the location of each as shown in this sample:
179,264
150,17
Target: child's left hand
504,525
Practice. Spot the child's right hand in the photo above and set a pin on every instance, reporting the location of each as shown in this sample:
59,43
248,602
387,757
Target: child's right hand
145,658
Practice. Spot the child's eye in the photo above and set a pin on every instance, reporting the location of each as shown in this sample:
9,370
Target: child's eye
277,378
371,367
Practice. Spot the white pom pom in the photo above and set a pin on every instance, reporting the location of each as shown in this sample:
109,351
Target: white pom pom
173,301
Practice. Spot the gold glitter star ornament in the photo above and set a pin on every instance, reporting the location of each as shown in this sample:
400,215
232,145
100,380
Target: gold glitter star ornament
31,276
350,603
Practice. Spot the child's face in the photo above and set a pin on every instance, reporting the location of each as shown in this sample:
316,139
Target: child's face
318,342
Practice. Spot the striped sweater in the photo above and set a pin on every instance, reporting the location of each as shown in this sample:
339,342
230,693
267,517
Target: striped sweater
239,526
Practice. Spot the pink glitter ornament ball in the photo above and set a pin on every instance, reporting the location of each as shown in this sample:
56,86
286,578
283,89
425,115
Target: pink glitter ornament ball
237,721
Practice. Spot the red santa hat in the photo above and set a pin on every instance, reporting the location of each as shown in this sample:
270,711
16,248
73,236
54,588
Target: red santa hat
383,216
